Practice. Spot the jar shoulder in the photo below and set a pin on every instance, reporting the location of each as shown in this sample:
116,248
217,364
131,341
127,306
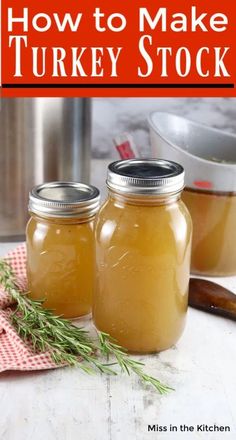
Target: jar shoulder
39,230
145,219
110,209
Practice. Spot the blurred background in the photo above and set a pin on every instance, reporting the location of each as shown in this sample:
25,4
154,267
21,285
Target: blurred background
47,139
112,116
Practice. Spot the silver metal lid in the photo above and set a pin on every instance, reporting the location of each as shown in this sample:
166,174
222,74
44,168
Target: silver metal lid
145,176
64,199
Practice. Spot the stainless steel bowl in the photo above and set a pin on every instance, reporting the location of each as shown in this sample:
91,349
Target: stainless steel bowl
208,155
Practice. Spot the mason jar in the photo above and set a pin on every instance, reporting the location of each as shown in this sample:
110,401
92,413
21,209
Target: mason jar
143,248
214,231
60,246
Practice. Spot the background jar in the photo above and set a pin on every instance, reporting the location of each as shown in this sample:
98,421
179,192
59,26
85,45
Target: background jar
208,156
60,246
214,231
143,246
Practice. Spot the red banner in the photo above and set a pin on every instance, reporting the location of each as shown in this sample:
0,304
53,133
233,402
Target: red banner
114,48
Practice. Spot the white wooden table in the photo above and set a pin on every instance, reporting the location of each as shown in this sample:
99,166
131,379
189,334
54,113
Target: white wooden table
66,404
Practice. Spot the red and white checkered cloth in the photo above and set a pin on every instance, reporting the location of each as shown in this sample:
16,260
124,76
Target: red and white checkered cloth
14,353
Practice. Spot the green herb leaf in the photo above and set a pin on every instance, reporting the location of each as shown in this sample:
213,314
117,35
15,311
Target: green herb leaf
66,343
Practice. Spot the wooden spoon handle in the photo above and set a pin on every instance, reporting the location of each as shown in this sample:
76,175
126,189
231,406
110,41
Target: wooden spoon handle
212,298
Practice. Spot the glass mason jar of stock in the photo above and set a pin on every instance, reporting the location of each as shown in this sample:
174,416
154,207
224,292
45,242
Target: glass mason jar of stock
60,246
143,250
214,231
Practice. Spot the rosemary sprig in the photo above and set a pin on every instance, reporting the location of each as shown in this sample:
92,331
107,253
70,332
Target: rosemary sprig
66,343
108,346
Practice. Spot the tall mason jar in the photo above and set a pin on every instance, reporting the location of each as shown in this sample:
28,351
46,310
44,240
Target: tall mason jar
143,248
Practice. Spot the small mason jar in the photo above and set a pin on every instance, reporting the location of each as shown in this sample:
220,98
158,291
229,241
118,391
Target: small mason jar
143,248
60,246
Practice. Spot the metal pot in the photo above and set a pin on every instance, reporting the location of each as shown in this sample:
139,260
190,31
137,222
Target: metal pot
41,139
